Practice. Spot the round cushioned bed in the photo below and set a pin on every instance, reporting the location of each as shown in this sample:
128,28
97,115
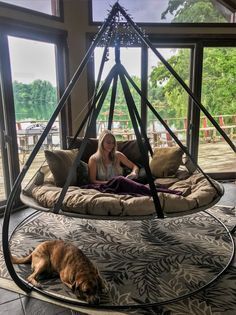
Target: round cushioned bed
197,191
197,194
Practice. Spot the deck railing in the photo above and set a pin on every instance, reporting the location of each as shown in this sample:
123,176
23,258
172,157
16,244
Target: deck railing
27,136
159,136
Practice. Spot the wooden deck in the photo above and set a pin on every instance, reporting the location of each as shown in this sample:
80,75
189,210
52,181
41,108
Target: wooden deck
213,157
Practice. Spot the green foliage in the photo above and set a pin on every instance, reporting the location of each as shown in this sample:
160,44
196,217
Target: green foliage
194,11
36,100
121,110
218,89
219,80
175,98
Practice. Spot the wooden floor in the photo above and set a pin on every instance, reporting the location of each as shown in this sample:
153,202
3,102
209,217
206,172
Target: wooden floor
213,157
217,157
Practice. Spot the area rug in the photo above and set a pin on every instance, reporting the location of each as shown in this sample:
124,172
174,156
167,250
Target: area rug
143,261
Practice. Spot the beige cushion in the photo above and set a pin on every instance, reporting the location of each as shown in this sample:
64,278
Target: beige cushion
165,182
197,191
59,162
166,161
43,175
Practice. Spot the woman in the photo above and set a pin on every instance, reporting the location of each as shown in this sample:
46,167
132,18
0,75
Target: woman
105,164
105,170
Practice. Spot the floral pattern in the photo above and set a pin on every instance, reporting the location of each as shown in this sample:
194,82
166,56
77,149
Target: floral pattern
145,261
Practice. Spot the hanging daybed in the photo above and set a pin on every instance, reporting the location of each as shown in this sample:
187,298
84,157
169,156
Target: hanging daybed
199,191
44,189
44,192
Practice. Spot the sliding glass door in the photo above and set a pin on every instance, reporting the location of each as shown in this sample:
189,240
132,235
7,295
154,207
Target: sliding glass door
34,82
3,176
219,98
30,90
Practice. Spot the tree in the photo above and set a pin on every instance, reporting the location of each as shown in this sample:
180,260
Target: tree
219,80
173,95
120,103
218,89
194,11
36,100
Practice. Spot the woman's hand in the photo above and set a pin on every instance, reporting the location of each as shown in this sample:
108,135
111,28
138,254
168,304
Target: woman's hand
132,175
125,161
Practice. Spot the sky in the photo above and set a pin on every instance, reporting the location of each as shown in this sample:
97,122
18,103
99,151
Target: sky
32,60
131,60
37,5
140,10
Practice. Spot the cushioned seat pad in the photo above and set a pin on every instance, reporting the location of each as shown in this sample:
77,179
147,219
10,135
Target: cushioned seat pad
196,192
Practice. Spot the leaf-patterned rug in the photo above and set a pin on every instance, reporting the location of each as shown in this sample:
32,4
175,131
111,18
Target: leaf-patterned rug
145,261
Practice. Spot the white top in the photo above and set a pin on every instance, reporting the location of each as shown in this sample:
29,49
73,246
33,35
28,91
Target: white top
108,173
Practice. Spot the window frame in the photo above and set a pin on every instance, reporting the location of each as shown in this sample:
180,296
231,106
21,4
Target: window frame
59,17
37,33
197,44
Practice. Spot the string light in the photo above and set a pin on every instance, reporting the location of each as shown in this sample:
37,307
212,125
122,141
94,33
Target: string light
120,28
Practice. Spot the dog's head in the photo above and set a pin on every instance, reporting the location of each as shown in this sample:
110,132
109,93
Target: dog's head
87,289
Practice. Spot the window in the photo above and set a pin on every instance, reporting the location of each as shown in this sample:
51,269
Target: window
33,66
166,11
218,96
34,83
50,7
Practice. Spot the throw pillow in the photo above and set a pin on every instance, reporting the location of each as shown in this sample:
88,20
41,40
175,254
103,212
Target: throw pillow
166,161
90,148
130,148
59,162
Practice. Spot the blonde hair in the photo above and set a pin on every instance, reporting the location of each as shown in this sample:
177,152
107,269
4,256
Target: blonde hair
100,150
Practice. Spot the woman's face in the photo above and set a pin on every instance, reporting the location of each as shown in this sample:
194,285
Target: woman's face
108,143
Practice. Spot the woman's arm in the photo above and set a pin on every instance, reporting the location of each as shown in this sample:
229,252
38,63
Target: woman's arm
92,168
125,161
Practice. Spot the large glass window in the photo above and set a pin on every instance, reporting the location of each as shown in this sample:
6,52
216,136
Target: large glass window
50,7
171,101
33,68
26,105
167,11
218,96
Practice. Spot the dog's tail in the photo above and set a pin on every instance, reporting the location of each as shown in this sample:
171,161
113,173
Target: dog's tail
21,260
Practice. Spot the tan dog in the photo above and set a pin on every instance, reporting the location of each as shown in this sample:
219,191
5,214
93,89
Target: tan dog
74,268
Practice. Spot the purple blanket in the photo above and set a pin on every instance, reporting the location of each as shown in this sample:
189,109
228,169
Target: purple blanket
124,186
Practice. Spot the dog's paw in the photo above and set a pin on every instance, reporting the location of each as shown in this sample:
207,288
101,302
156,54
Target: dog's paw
38,285
34,283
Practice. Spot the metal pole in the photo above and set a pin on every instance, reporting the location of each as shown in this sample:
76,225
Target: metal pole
178,78
131,105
